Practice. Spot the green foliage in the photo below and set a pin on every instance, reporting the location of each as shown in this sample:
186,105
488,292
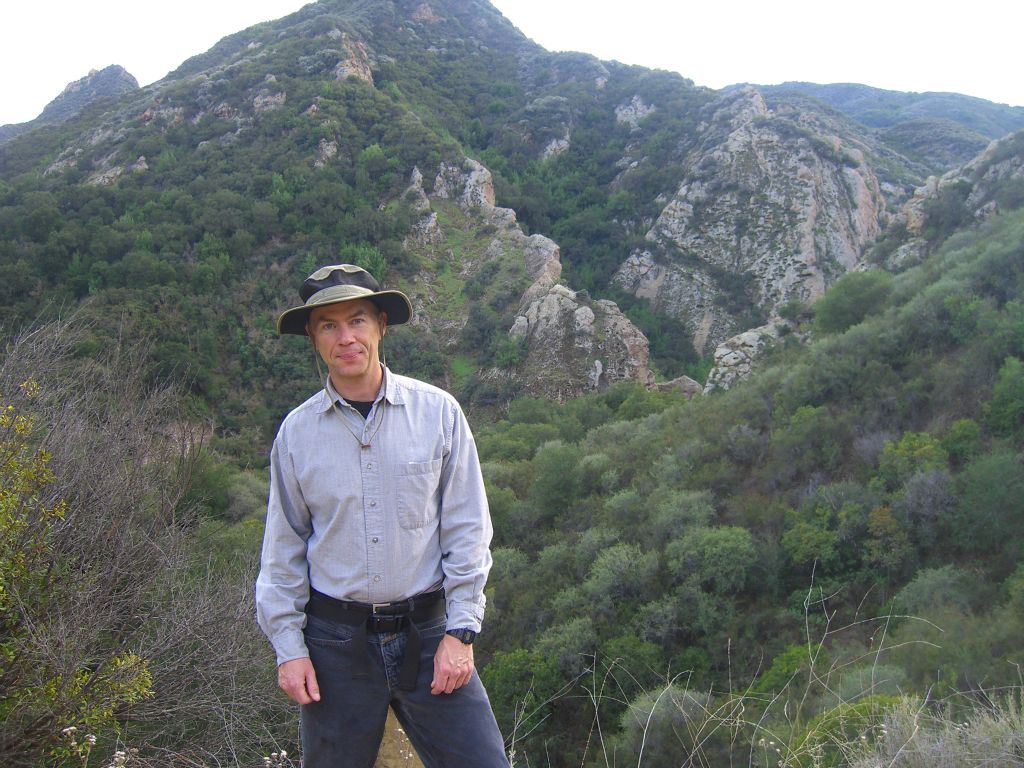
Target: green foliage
852,298
915,452
629,524
934,589
1006,410
719,559
962,440
947,212
32,576
989,519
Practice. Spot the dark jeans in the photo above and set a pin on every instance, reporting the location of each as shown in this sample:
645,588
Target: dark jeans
344,729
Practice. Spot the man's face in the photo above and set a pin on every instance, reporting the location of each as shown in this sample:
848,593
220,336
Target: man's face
347,337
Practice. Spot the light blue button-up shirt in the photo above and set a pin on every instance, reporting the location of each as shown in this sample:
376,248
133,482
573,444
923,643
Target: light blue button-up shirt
375,510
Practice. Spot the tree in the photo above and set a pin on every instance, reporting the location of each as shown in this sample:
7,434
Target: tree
853,297
719,559
620,575
914,452
109,605
990,517
1006,411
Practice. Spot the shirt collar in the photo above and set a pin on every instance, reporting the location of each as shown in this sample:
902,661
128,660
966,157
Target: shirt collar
389,391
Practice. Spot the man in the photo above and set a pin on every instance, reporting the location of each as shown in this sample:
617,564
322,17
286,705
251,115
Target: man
376,547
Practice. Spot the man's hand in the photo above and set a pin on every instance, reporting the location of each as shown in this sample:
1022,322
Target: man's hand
298,680
453,665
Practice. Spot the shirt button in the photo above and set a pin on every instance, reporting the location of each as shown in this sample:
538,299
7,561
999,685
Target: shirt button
376,578
374,539
373,503
369,466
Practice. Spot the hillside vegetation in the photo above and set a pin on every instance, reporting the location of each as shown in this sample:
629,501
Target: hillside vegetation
822,565
846,524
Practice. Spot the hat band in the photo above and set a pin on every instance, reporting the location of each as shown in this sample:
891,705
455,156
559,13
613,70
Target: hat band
335,293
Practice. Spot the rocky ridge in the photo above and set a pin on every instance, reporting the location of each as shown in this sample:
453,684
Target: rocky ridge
109,82
770,200
997,171
572,344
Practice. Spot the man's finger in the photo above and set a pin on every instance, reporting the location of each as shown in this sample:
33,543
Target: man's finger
312,687
298,679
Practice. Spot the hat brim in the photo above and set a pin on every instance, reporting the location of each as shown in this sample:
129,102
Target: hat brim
395,303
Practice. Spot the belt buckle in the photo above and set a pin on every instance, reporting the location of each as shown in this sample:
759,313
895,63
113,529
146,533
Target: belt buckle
384,622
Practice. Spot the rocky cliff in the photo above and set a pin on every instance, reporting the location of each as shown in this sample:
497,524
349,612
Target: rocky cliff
771,208
972,192
109,82
569,343
346,129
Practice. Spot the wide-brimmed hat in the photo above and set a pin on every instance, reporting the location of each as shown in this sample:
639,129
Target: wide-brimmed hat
342,282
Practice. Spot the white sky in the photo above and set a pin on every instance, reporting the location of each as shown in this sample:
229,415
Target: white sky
905,45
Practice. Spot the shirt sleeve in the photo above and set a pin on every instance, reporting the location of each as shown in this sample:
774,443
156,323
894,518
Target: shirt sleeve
282,587
465,528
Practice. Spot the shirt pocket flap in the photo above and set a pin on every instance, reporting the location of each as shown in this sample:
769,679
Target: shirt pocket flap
418,484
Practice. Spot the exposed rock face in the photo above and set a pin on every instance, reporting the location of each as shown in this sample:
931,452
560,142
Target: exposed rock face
566,335
470,184
426,231
110,81
1000,163
325,152
768,199
633,112
572,344
266,100
109,173
689,387
677,290
356,63
424,12
556,146
734,358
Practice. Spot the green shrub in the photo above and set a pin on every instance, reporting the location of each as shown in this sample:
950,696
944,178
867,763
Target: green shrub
852,298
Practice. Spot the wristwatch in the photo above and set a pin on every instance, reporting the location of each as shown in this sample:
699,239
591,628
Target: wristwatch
465,636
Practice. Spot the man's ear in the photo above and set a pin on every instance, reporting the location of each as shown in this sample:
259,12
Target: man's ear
383,319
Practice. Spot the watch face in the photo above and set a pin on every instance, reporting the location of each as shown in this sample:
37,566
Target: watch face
466,636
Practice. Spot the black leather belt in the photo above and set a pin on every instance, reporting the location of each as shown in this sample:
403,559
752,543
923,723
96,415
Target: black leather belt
379,618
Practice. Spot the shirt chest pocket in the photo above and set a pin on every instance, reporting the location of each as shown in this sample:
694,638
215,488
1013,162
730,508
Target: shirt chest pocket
417,484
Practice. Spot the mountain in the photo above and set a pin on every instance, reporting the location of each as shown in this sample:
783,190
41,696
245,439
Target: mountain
562,223
941,130
879,108
744,371
110,82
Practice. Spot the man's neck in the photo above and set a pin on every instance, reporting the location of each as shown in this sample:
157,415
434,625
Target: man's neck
363,390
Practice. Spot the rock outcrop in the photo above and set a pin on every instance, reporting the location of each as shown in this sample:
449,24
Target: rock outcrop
356,62
770,209
571,344
109,82
976,185
632,112
689,388
734,357
566,334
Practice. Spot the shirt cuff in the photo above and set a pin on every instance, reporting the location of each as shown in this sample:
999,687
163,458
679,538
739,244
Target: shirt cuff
464,615
289,646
